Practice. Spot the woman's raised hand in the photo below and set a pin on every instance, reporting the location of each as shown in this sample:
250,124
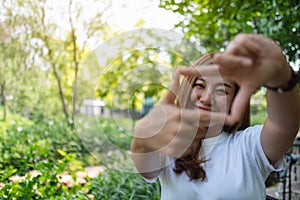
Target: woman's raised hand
252,61
169,129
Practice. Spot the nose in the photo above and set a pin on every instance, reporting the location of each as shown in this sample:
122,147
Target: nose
206,98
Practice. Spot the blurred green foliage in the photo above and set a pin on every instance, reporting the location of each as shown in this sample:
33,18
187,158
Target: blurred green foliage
214,23
53,147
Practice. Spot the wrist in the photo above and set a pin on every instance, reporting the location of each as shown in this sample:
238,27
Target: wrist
281,76
288,83
138,146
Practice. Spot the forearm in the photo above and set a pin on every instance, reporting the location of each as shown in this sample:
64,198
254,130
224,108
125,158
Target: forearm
147,162
282,123
284,108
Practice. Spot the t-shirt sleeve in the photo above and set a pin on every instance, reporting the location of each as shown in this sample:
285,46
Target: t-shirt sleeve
152,180
254,148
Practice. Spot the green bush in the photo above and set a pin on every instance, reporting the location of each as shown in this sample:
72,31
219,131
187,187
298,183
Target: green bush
52,147
115,184
23,146
258,117
46,185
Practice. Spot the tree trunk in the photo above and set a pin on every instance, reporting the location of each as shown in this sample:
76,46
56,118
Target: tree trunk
61,93
75,73
3,100
45,38
75,60
133,116
74,94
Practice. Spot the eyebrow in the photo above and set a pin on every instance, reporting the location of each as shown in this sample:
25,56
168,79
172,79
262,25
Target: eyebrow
225,84
222,84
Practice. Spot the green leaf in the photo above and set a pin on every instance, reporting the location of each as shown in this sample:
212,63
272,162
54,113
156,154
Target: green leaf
62,152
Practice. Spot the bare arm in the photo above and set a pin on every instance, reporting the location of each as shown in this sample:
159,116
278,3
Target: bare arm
152,133
147,163
255,61
281,126
165,130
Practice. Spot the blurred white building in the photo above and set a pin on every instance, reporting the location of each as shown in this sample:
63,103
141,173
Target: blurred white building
95,107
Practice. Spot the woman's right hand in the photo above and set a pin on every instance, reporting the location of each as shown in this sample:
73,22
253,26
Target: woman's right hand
168,129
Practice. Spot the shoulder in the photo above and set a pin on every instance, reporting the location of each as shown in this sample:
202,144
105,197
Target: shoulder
250,143
247,139
252,132
256,129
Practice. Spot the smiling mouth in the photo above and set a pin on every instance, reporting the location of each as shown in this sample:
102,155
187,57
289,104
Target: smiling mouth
203,108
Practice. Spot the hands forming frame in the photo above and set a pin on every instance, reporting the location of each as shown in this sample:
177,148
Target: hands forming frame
252,61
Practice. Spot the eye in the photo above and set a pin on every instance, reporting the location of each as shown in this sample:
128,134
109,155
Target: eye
199,86
221,92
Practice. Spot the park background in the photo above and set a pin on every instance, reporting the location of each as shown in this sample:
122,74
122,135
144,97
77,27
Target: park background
58,141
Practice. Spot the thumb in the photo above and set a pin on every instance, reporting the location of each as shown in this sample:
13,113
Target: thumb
173,90
239,107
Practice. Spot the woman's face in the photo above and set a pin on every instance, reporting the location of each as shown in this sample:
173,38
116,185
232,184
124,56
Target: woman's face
213,94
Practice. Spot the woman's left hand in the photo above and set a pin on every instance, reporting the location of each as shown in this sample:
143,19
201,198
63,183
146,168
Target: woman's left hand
252,61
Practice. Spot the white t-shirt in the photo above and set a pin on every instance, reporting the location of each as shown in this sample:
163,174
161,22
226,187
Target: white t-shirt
237,169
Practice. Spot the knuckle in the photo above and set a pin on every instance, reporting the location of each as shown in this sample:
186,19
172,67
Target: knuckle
240,38
175,115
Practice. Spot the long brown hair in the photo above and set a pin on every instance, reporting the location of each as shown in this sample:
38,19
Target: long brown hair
191,163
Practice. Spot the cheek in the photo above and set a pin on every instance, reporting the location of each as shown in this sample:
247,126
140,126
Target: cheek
224,104
193,96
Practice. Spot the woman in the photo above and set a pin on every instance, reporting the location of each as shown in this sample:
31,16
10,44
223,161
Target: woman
206,93
190,140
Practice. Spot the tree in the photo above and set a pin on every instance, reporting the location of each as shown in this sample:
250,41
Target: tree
94,27
13,64
55,51
3,46
137,66
214,23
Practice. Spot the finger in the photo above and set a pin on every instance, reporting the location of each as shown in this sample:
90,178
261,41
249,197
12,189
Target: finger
232,61
172,91
235,49
187,131
239,107
217,119
244,44
200,70
260,41
202,118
